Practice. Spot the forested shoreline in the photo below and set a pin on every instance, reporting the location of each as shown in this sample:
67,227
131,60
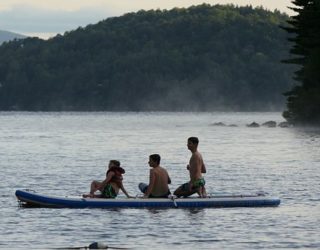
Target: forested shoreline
303,100
205,58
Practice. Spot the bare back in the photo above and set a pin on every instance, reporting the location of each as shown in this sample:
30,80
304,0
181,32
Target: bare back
159,179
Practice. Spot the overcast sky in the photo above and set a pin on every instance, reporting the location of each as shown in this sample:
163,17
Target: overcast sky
45,18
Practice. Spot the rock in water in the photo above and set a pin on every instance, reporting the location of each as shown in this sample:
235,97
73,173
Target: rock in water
270,124
253,125
284,124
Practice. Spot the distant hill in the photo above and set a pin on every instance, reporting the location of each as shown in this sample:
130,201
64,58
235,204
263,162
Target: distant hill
6,36
199,58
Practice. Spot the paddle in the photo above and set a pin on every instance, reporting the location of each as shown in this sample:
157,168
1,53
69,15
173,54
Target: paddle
174,201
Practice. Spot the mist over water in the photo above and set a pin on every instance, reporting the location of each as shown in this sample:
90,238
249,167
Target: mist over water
60,153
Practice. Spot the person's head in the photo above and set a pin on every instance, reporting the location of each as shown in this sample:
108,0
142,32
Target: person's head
114,163
154,160
193,143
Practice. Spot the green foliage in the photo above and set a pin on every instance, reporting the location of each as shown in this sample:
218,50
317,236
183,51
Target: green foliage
198,58
303,101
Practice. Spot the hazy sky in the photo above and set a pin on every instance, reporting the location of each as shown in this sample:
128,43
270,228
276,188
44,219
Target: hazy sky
45,18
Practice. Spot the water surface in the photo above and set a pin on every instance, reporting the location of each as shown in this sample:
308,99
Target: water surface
60,153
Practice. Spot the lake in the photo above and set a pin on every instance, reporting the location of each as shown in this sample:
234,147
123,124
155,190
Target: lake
61,153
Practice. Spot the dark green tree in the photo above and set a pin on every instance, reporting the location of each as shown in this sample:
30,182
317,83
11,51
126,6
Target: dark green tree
303,101
203,57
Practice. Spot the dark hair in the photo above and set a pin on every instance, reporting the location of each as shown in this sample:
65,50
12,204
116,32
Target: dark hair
155,157
115,162
194,140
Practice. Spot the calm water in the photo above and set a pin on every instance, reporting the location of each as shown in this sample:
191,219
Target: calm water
60,153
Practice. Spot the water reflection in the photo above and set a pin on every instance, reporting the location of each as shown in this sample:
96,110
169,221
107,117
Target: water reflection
311,132
195,212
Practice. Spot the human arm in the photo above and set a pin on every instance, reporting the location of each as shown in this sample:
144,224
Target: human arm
125,191
193,165
197,165
151,184
203,168
194,169
107,180
169,179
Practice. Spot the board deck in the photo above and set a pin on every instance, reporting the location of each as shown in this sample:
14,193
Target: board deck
32,198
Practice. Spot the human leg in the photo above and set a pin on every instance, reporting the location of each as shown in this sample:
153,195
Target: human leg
143,187
202,192
92,196
199,186
184,190
95,186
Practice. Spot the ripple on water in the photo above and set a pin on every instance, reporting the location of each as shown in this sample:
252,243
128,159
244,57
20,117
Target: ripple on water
60,153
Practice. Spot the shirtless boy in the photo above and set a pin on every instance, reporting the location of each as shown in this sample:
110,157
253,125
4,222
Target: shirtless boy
158,180
196,168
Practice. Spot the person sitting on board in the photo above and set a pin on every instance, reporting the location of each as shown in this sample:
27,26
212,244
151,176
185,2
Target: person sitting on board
109,188
196,168
158,180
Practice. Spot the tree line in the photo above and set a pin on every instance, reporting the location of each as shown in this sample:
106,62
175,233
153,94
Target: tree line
303,100
203,57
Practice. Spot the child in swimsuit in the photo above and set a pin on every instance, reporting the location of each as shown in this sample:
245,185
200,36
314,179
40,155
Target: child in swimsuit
109,188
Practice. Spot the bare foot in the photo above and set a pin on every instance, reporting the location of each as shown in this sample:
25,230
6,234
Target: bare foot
87,195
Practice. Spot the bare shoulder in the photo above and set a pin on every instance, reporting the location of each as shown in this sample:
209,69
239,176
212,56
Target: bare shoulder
160,170
199,155
155,171
196,156
165,171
